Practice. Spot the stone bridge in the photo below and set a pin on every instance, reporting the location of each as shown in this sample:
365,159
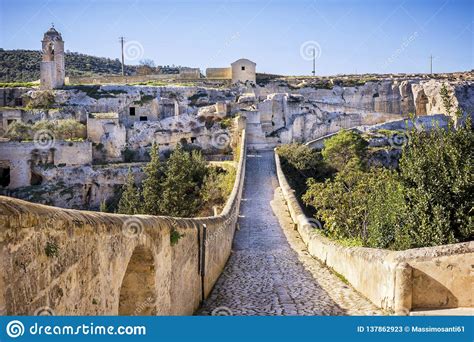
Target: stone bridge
89,263
75,262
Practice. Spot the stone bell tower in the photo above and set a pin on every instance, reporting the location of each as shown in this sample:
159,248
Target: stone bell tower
52,68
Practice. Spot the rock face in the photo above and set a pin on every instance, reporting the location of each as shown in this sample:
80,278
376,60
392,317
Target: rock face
124,121
305,113
79,187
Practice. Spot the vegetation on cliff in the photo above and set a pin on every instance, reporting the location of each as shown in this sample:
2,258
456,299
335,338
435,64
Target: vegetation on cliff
65,129
427,201
182,186
24,65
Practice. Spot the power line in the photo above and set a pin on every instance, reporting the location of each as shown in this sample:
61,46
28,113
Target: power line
122,40
431,64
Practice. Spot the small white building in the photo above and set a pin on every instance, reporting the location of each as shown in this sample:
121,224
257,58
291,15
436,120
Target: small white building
243,70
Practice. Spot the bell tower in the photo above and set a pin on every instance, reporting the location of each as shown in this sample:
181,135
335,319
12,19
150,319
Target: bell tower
52,67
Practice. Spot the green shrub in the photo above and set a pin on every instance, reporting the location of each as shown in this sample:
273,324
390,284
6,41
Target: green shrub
69,129
300,162
358,205
217,186
183,186
226,123
345,148
128,155
427,203
437,169
19,131
51,249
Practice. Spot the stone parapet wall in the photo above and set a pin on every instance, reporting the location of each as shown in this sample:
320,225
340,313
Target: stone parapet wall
191,75
84,263
399,281
219,73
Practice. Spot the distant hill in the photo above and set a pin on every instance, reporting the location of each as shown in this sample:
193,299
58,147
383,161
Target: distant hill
24,65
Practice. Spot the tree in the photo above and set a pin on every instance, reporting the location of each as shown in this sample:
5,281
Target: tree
437,169
198,167
180,187
363,207
130,200
152,183
447,99
300,162
299,156
344,147
146,67
217,186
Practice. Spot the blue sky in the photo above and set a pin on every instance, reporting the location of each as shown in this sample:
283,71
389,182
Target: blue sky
348,36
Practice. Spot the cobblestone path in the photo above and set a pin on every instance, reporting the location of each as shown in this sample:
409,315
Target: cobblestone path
270,271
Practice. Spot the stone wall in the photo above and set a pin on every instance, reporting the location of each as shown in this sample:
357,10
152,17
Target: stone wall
109,137
399,281
219,73
427,122
89,263
192,74
8,117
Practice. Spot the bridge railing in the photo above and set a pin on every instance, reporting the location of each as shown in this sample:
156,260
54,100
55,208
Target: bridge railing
398,281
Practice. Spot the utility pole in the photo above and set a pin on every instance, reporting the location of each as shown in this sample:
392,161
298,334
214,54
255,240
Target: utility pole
314,61
431,64
122,39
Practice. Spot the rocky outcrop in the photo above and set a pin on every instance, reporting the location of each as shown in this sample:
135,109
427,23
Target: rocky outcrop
304,112
79,187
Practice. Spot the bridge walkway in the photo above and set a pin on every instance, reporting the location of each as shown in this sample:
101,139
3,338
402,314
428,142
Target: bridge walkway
270,271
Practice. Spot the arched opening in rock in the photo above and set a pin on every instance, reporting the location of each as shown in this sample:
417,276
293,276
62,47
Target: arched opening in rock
137,293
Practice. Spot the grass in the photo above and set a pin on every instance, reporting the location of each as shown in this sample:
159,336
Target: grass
18,84
95,92
161,84
144,99
226,123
